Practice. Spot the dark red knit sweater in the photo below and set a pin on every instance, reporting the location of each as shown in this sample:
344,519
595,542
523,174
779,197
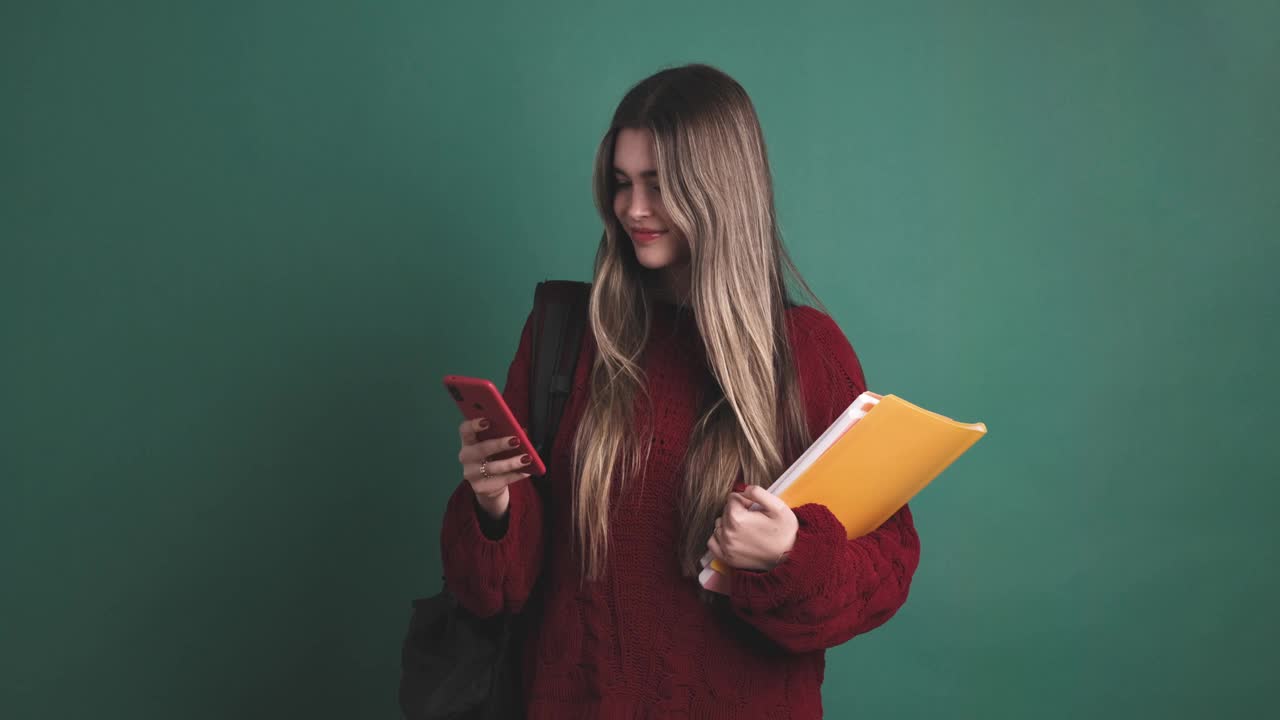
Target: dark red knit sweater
640,643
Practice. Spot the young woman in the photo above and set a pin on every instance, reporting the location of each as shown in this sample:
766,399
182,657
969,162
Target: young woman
698,383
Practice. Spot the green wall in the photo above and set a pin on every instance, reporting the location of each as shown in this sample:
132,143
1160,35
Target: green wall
240,242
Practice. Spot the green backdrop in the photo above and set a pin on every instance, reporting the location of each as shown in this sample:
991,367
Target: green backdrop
242,241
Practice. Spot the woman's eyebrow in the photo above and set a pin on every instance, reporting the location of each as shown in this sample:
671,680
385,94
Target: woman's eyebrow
643,173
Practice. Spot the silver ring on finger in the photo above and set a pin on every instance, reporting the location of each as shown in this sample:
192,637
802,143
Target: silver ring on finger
484,469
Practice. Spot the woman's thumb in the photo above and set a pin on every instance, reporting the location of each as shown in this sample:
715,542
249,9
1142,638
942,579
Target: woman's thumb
766,500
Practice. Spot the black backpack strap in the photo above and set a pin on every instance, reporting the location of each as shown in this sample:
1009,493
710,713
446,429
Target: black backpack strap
559,318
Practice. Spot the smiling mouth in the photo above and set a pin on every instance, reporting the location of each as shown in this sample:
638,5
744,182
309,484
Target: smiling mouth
647,235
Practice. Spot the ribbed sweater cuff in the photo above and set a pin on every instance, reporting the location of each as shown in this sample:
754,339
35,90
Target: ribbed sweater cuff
477,565
479,527
804,571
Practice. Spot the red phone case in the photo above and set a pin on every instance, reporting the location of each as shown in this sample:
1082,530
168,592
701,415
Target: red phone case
476,398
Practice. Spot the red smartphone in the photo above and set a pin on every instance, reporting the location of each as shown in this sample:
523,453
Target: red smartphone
479,398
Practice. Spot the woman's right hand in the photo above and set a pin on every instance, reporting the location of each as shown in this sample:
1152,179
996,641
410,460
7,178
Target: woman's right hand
491,492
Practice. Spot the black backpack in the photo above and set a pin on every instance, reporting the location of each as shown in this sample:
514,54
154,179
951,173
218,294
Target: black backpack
454,665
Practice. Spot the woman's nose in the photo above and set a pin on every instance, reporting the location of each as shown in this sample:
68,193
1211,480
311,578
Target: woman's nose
639,205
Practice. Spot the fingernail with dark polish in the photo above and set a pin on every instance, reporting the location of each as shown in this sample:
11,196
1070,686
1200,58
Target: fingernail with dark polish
483,424
525,459
514,442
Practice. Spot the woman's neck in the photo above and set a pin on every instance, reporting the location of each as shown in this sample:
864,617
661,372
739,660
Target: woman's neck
673,285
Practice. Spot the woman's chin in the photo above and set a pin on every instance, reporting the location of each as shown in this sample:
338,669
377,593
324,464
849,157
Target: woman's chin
654,258
650,265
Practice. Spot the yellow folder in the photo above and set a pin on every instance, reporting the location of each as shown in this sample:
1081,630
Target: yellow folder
870,462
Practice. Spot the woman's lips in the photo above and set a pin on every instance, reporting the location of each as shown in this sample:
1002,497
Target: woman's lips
642,236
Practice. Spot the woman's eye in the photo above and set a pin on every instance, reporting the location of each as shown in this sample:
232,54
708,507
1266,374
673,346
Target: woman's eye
623,185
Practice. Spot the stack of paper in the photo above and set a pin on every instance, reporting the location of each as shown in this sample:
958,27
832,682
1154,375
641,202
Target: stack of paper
875,457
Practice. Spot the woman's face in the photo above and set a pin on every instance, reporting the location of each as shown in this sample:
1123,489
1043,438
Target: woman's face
638,202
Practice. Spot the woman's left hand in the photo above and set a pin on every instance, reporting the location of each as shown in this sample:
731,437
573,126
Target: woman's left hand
757,540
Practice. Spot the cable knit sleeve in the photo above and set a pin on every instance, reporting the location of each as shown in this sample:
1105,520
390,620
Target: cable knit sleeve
490,566
828,588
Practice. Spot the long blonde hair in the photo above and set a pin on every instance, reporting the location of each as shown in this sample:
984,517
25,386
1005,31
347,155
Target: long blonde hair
718,192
